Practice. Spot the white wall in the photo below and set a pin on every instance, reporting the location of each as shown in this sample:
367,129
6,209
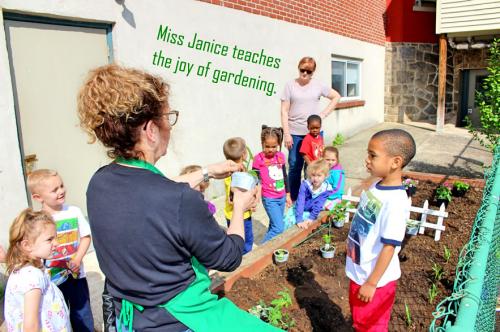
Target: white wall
210,113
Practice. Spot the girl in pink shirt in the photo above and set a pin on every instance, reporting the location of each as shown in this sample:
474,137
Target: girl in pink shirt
270,164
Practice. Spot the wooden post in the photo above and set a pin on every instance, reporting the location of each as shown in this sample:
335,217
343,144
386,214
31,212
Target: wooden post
441,82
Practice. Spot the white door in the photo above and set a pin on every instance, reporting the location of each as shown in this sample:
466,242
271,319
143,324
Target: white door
48,65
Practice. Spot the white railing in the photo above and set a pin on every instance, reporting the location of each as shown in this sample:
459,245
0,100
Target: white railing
424,211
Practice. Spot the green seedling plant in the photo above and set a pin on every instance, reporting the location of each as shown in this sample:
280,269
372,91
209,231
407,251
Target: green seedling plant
408,315
461,186
444,192
338,212
433,293
338,140
446,254
273,313
327,238
438,271
280,254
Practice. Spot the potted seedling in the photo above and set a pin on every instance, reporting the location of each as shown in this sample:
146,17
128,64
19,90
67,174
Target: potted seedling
459,188
337,215
410,186
412,227
245,180
281,255
327,250
443,194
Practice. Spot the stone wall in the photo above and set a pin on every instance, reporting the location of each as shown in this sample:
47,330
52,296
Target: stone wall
411,82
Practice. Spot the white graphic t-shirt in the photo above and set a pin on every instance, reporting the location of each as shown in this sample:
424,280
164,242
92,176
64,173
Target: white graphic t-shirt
380,219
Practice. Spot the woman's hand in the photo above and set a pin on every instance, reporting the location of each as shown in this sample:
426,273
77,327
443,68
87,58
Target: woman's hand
224,169
244,200
288,141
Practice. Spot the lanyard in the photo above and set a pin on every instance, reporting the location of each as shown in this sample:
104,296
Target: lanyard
139,164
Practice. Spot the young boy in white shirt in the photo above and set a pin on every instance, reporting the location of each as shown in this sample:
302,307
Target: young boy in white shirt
65,266
377,231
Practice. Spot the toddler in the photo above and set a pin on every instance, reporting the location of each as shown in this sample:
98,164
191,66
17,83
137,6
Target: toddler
32,302
235,149
270,165
336,176
313,193
312,145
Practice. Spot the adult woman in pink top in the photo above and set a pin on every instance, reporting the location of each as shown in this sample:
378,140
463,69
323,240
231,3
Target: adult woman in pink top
299,100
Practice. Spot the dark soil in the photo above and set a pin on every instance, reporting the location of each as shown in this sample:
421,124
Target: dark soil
319,287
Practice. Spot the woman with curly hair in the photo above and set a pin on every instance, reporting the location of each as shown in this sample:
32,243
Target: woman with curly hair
155,237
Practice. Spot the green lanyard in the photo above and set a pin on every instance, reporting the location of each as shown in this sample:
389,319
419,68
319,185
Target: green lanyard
139,164
127,312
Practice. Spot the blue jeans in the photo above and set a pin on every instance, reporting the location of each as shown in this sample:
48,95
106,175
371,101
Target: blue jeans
76,294
248,234
275,209
295,164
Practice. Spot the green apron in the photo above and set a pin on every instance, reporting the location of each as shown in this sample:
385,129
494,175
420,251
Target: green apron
196,307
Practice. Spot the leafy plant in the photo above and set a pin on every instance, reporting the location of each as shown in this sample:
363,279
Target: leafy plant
280,253
444,192
327,238
273,313
408,183
461,186
338,140
339,210
408,315
488,102
438,271
433,293
446,254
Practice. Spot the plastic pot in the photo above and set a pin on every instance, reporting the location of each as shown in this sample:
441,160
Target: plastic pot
280,255
243,181
410,191
440,201
412,230
327,253
338,224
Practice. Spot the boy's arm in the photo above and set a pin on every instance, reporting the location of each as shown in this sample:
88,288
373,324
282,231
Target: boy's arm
306,158
318,204
76,261
367,290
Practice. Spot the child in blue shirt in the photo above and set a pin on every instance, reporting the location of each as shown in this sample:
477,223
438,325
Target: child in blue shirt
336,176
313,194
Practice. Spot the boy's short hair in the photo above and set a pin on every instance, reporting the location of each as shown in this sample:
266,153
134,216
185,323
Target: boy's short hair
234,148
318,166
37,177
398,142
313,118
190,169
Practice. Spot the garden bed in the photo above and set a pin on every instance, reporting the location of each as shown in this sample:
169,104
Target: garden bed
319,287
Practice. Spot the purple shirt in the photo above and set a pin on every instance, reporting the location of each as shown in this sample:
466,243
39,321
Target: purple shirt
304,101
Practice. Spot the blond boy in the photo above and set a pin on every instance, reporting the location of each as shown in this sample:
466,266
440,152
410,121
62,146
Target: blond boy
73,237
235,149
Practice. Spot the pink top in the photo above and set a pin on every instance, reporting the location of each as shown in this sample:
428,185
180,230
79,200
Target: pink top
271,174
304,101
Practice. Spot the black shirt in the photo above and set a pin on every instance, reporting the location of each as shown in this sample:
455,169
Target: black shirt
145,229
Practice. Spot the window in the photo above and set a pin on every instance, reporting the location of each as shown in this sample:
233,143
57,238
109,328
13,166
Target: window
346,78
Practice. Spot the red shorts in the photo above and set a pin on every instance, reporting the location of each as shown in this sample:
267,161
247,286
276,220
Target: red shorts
375,315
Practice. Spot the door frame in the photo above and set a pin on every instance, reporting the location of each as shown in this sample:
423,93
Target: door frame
19,17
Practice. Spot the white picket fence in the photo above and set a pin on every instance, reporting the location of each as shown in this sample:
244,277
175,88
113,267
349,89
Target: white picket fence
424,211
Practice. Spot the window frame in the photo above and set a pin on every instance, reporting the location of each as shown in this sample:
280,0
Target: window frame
346,61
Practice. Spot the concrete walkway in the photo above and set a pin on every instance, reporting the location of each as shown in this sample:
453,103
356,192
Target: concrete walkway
451,152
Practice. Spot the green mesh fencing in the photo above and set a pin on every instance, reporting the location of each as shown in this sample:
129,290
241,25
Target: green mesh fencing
471,306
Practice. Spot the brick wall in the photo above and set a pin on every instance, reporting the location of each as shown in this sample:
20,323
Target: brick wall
358,19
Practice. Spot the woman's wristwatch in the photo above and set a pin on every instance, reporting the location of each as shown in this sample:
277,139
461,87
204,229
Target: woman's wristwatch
206,177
